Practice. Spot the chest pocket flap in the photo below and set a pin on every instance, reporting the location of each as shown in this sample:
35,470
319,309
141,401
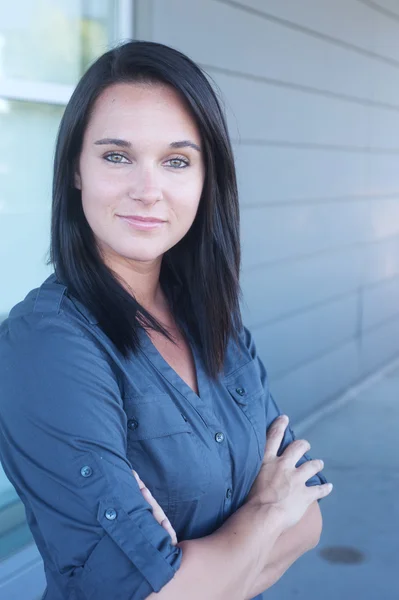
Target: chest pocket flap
154,416
244,383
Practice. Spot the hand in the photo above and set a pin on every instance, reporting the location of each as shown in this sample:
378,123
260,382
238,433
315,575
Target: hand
280,484
157,511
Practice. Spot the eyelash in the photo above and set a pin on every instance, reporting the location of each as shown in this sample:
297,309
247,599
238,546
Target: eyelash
113,154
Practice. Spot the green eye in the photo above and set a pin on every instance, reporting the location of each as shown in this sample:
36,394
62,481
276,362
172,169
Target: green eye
115,157
178,163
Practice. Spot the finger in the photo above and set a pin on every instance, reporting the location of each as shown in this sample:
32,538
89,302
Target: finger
320,491
295,451
168,527
275,435
157,510
159,514
310,468
139,481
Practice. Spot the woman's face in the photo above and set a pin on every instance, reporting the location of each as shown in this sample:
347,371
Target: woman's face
140,172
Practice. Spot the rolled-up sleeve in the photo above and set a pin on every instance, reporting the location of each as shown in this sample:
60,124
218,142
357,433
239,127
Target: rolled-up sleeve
63,446
273,411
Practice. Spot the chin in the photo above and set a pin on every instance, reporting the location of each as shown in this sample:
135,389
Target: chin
141,254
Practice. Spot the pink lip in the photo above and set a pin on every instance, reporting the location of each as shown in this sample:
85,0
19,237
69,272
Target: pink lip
143,223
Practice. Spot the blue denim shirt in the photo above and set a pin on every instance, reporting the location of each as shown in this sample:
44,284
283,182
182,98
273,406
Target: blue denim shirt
76,418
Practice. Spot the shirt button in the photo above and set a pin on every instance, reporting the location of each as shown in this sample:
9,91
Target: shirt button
219,437
240,391
110,514
229,493
133,424
86,471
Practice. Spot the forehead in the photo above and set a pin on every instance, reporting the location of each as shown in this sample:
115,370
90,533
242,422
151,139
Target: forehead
135,108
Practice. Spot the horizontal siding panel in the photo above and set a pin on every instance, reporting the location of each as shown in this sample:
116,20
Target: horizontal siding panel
389,5
379,346
263,112
273,174
276,291
359,27
382,173
301,391
282,232
380,303
286,344
272,51
383,127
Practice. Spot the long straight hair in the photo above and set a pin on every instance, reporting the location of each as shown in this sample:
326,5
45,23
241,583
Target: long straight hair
200,274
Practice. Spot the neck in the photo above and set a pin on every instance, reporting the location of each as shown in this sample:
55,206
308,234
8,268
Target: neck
141,279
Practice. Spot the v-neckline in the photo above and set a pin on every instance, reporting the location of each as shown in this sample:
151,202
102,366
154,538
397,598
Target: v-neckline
169,373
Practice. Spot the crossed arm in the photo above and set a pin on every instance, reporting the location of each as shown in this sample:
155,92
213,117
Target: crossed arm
289,546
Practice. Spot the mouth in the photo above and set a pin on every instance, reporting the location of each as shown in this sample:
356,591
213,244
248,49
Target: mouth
143,223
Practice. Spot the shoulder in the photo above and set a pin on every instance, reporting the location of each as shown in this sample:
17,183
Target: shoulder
49,318
241,350
48,344
51,298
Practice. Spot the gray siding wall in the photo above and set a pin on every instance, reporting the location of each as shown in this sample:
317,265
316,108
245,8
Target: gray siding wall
312,96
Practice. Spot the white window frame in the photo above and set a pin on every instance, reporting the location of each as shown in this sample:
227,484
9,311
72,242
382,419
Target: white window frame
57,93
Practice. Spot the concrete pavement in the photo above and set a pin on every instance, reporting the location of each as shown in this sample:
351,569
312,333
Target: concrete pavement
358,556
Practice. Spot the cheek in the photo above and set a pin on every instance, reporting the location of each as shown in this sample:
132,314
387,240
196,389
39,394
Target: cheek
186,202
98,196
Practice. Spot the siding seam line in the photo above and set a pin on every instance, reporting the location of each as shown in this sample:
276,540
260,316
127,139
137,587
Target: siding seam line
313,146
319,200
331,250
310,32
338,401
380,9
330,349
317,305
308,89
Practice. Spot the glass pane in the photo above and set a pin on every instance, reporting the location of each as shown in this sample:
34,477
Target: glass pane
14,530
26,153
27,142
53,41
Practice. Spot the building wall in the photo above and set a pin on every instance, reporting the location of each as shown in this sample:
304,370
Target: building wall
312,97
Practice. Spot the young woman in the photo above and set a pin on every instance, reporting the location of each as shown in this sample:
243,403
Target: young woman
130,363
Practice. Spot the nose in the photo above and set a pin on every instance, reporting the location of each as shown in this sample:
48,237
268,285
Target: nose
144,187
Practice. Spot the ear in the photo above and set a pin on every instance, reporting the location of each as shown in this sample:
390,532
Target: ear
77,181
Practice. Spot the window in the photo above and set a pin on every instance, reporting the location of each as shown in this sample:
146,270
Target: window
45,46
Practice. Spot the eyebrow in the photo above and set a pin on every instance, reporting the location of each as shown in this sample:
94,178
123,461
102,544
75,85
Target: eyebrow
126,144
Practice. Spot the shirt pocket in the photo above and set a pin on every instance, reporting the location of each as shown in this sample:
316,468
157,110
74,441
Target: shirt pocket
164,449
245,387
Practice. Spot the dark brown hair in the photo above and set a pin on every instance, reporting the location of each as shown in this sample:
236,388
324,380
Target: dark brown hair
200,274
